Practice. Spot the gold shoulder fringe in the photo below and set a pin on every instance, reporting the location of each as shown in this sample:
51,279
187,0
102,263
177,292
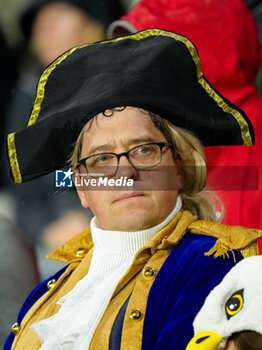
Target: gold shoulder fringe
229,238
220,249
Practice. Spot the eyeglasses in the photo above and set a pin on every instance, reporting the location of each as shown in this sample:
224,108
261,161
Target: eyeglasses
141,157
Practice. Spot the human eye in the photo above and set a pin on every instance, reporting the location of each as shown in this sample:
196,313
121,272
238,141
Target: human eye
100,159
145,149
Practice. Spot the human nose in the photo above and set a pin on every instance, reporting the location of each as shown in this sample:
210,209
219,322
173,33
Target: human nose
125,168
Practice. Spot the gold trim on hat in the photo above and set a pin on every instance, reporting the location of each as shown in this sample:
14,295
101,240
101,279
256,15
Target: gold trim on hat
13,158
41,86
246,137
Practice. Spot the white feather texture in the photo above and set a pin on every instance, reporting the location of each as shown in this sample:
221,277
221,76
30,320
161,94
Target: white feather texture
245,276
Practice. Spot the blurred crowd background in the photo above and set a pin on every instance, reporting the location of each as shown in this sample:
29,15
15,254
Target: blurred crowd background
34,217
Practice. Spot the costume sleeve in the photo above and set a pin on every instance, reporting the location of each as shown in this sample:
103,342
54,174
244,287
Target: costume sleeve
32,298
179,291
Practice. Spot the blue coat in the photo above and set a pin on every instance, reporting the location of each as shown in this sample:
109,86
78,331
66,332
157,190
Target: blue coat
178,292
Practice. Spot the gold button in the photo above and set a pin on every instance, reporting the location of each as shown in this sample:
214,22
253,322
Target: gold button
80,253
51,283
135,314
15,328
149,272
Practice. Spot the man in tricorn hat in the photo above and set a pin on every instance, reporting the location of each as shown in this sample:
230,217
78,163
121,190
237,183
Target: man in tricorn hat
128,117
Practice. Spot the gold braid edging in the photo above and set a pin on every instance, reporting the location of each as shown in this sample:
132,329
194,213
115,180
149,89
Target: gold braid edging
13,158
246,137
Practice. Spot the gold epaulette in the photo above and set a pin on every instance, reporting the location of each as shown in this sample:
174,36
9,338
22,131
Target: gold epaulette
229,238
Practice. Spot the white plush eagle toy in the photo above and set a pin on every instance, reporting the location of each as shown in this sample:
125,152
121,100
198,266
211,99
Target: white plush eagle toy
234,305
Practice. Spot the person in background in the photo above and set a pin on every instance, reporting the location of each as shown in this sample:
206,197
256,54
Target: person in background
230,318
127,117
51,27
226,36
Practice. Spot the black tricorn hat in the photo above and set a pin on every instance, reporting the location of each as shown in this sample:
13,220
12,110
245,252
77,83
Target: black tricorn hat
153,69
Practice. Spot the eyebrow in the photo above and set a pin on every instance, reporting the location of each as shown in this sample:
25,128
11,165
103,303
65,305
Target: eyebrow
106,147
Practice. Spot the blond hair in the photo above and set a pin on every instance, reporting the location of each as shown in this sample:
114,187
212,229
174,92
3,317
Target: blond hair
195,197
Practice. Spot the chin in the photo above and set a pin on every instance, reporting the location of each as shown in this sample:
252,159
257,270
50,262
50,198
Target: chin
136,221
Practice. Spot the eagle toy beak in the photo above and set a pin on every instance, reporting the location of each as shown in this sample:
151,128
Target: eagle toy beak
205,341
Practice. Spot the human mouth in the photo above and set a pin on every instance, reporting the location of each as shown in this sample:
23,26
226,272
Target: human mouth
129,195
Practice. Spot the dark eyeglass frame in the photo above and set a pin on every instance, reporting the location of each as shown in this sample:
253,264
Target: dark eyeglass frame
161,145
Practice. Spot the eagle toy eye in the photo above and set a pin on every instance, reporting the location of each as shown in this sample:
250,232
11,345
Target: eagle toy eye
234,304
